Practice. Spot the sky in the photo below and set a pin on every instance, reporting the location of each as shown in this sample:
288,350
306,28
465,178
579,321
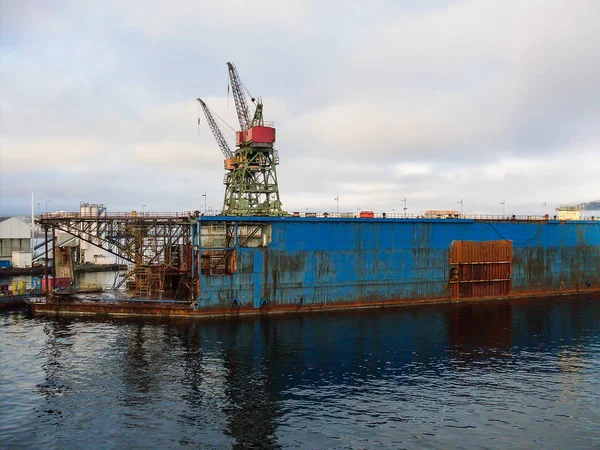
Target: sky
375,102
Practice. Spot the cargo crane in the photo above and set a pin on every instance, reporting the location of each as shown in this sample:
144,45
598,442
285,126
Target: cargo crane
251,187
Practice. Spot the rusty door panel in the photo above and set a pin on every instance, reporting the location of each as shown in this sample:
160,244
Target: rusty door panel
480,269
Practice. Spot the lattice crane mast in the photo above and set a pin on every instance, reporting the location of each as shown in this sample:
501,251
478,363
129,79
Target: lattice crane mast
241,104
239,97
216,131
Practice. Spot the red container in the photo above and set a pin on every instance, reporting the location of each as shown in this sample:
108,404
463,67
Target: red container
367,214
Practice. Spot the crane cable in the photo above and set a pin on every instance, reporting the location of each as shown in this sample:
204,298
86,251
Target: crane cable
251,98
246,89
221,119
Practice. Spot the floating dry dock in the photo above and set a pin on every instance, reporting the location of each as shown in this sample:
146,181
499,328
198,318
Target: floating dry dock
189,265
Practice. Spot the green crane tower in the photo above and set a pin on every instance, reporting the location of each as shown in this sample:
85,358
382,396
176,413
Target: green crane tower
251,187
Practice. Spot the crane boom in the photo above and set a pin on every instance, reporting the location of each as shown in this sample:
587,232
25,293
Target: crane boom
216,131
241,105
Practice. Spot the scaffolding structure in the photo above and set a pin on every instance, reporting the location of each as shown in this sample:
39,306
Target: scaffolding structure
158,247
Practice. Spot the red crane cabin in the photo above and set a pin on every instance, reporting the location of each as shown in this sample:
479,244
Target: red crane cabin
258,134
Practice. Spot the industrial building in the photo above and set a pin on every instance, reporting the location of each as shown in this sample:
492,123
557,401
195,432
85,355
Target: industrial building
15,242
19,251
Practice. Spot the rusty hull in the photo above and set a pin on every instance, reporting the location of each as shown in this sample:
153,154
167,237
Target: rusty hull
128,309
272,265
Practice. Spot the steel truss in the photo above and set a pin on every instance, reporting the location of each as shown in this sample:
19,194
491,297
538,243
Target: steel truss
251,186
159,249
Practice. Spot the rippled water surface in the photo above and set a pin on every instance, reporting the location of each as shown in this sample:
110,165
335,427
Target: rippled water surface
498,375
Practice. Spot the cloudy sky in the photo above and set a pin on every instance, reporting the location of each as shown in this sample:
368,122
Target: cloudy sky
432,101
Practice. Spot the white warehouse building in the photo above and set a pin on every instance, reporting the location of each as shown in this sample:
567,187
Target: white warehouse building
15,241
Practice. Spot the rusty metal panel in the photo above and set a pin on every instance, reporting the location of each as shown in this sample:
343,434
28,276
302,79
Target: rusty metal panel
486,251
480,269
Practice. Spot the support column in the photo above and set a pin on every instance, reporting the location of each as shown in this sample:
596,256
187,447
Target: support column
46,259
53,258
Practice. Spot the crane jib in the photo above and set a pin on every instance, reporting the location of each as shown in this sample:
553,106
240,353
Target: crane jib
241,104
216,131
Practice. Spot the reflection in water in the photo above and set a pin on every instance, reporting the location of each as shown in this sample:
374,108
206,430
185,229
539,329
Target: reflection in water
193,363
59,340
498,374
570,363
480,333
138,374
250,357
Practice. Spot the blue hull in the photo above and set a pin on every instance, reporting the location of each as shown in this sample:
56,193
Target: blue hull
287,263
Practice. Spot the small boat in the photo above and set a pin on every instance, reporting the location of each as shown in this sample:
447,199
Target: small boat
14,296
13,301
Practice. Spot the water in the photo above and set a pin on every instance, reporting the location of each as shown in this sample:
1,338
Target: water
500,375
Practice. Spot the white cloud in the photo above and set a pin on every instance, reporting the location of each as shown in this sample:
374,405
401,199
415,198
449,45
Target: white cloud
408,169
158,19
175,155
23,155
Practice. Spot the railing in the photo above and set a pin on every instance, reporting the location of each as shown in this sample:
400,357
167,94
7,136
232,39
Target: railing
424,215
343,215
118,215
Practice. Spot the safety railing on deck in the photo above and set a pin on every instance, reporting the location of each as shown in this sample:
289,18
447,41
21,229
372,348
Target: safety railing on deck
425,215
344,215
118,215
